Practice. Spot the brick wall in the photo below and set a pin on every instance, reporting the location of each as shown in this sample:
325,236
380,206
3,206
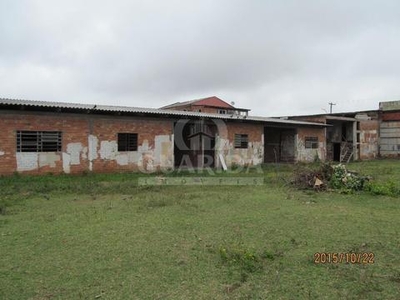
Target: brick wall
306,154
149,132
89,142
391,116
253,154
253,130
73,129
369,139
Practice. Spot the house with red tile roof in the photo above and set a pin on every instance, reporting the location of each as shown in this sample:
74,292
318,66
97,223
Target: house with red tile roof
208,105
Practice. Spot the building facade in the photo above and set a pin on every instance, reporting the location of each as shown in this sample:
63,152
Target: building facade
349,136
46,137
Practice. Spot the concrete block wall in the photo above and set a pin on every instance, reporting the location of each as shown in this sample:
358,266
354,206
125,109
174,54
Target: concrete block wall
389,144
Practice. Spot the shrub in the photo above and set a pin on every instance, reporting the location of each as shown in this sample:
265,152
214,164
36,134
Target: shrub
388,188
344,180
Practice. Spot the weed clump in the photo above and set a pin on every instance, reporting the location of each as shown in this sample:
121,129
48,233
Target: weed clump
246,260
3,208
388,188
241,261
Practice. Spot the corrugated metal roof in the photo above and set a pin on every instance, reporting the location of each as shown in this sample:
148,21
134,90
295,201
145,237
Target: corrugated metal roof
177,104
8,101
343,114
149,111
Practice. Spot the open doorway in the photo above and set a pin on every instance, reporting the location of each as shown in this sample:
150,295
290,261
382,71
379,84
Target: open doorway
339,139
336,151
279,144
194,144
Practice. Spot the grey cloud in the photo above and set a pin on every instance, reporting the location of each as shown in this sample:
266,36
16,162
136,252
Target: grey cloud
275,57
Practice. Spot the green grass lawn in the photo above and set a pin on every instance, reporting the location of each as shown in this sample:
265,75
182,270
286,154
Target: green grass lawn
105,237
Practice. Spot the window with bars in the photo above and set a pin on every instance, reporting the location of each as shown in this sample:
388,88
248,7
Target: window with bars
241,140
127,141
39,141
311,142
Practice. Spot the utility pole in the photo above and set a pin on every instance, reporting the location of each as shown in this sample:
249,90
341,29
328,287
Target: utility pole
331,104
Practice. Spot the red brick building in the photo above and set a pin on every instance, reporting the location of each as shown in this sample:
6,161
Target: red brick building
39,137
208,105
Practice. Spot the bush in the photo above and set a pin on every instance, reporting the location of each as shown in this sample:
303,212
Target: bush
386,189
344,180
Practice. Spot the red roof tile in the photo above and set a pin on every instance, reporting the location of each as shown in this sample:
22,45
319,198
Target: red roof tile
209,101
213,101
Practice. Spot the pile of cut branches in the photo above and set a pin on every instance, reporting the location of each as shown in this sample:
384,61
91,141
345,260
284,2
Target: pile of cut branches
313,177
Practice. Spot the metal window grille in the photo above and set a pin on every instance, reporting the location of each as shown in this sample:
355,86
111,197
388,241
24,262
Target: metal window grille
311,142
39,141
127,141
241,140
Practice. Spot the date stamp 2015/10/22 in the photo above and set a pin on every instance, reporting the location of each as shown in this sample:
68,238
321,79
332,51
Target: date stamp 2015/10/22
344,257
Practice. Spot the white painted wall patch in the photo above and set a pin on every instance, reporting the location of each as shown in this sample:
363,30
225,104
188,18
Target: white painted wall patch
66,158
27,161
74,150
108,150
48,159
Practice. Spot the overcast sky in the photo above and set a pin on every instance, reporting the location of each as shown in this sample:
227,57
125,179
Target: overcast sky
274,57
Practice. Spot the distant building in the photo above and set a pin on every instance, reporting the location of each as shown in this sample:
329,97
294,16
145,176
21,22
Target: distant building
389,129
208,105
349,136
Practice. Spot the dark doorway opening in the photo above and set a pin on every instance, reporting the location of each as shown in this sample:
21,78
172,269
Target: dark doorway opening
279,144
344,132
181,143
336,152
194,144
